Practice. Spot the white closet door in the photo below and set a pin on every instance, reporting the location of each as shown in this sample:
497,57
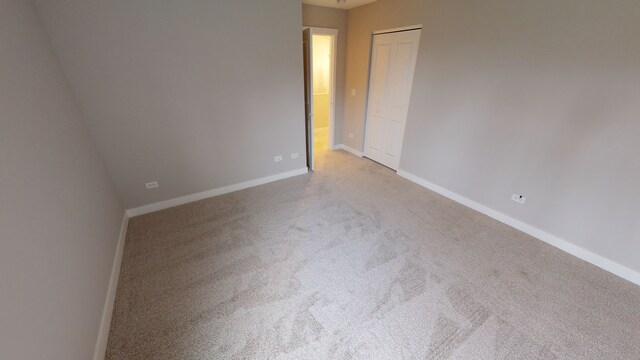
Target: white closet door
393,60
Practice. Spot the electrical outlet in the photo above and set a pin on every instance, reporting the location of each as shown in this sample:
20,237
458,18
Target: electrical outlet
351,135
151,185
294,155
518,198
277,158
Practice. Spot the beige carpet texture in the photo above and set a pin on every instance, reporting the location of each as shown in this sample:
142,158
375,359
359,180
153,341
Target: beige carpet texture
355,262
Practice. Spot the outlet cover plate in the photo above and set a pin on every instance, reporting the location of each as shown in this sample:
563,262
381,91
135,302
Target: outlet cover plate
151,185
518,198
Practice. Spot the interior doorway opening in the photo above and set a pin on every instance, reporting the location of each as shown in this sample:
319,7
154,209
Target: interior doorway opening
320,71
321,94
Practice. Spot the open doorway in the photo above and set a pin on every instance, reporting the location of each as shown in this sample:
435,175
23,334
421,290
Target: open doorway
319,66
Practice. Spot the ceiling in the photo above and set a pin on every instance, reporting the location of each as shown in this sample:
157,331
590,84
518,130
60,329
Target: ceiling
348,4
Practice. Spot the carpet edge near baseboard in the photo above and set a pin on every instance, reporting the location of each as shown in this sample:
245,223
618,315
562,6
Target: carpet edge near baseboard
107,312
181,200
562,244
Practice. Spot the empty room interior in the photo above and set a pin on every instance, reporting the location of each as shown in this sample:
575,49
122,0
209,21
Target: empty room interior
319,179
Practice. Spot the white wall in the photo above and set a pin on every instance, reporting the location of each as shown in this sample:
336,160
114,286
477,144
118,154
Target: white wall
195,94
59,215
535,97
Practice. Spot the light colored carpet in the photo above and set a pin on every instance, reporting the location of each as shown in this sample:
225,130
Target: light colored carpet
354,262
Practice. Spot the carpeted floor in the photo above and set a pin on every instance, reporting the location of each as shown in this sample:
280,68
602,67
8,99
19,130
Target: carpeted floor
354,262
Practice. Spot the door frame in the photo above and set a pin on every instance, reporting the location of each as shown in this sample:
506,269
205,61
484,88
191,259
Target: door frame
398,29
366,101
307,61
332,86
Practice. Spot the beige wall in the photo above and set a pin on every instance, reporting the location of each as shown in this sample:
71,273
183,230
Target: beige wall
194,94
318,16
59,215
321,111
534,97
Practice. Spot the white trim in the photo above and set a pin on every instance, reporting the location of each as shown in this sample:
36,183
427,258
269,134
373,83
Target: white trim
145,209
564,245
403,28
348,149
309,105
107,312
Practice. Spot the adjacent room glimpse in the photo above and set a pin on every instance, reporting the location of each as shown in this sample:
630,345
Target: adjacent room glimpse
319,57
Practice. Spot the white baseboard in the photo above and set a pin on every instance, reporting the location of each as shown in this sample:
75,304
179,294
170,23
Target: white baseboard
348,149
107,312
105,323
211,193
564,245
